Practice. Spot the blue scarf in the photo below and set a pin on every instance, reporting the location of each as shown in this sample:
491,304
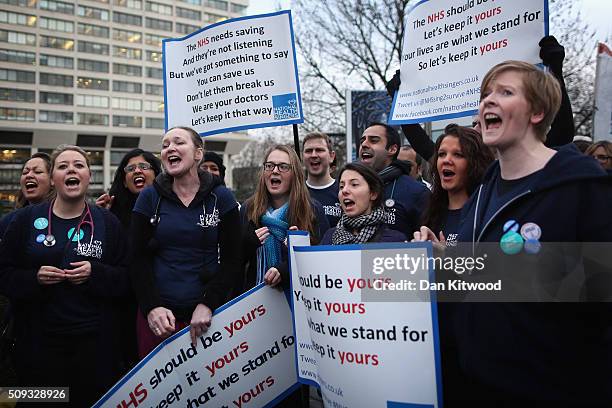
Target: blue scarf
269,254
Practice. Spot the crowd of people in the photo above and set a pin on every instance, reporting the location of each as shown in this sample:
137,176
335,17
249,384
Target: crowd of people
95,288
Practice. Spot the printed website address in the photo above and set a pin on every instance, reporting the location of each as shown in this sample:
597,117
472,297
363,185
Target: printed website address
437,111
441,85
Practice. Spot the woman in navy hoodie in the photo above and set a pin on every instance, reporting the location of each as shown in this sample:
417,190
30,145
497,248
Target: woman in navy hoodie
63,265
362,221
185,248
543,353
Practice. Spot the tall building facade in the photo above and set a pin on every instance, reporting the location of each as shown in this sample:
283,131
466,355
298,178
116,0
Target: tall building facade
89,72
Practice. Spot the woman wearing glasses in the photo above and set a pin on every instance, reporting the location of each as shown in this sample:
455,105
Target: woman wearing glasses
602,152
63,266
186,253
281,202
137,170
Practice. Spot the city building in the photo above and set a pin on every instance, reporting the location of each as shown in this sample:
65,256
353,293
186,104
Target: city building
89,72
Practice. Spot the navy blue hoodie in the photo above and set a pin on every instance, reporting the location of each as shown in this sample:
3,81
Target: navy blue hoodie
549,352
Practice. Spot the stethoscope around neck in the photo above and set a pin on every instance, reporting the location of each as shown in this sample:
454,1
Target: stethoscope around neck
156,218
50,240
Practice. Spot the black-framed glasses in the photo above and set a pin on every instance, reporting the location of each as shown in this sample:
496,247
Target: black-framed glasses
282,167
602,157
141,166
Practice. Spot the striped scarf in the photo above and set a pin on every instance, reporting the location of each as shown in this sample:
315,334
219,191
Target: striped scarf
269,254
366,224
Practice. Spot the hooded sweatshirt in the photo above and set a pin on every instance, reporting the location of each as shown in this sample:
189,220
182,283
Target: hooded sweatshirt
188,254
555,352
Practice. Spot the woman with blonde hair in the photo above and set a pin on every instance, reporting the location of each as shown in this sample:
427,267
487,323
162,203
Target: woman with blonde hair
186,252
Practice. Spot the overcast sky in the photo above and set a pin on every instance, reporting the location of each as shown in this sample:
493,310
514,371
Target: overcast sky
597,12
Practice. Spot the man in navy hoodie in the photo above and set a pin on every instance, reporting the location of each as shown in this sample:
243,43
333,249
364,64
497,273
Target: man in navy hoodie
404,198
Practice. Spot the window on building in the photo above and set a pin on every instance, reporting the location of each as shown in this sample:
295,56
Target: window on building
188,13
239,8
55,117
56,79
93,30
8,17
158,24
92,65
156,73
11,137
93,12
125,86
93,48
155,56
15,37
127,104
92,101
127,121
192,2
95,157
125,35
16,75
55,98
19,115
93,119
65,44
56,6
186,28
218,4
125,52
155,123
133,4
56,25
56,61
152,39
124,142
17,95
153,106
18,57
213,18
151,89
125,69
159,8
92,83
20,3
124,18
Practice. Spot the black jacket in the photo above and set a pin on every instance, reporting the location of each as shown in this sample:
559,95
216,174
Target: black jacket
553,351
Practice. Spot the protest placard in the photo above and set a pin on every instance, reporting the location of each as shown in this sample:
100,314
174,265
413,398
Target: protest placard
450,45
233,75
602,120
246,359
360,335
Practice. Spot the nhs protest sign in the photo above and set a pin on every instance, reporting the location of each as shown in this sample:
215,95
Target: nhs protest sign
449,45
234,75
246,359
358,327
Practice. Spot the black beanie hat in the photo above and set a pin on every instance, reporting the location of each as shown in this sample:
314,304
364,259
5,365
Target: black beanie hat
218,160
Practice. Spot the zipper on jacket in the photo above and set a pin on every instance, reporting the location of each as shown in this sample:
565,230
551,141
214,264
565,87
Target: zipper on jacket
496,214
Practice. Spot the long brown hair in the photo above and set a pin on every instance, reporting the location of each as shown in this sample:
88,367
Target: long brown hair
478,156
300,211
